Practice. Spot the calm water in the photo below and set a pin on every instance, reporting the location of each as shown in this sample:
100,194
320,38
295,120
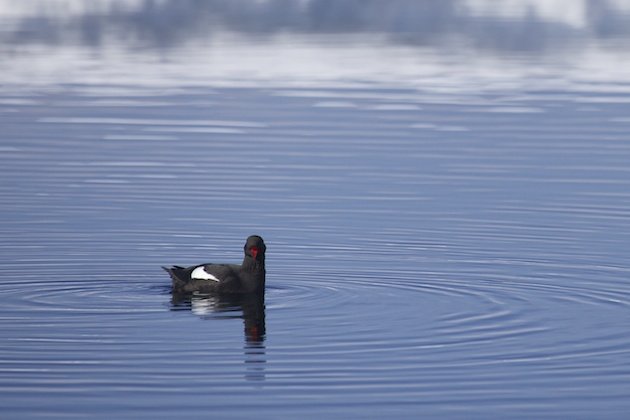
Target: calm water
444,191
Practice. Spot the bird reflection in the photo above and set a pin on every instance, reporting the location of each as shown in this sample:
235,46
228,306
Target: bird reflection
249,307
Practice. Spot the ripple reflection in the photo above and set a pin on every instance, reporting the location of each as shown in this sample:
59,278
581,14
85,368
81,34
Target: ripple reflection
249,307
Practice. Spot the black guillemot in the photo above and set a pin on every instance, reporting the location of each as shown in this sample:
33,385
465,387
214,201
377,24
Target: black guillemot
249,277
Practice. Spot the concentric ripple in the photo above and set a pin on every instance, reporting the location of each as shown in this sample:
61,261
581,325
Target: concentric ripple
390,326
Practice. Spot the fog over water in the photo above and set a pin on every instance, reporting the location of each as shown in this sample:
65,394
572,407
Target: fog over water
236,42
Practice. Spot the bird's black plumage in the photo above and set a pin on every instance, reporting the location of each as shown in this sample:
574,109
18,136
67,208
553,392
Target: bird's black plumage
248,277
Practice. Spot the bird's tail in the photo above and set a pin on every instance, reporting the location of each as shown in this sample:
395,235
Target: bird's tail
177,275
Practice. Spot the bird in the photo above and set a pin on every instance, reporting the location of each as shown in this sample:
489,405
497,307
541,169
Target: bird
248,277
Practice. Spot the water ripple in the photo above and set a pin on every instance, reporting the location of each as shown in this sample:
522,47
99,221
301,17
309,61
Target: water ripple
419,249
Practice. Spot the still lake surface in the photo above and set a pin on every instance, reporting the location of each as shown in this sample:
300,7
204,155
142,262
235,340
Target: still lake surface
446,209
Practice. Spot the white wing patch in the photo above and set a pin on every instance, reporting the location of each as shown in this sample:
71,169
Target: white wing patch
200,274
